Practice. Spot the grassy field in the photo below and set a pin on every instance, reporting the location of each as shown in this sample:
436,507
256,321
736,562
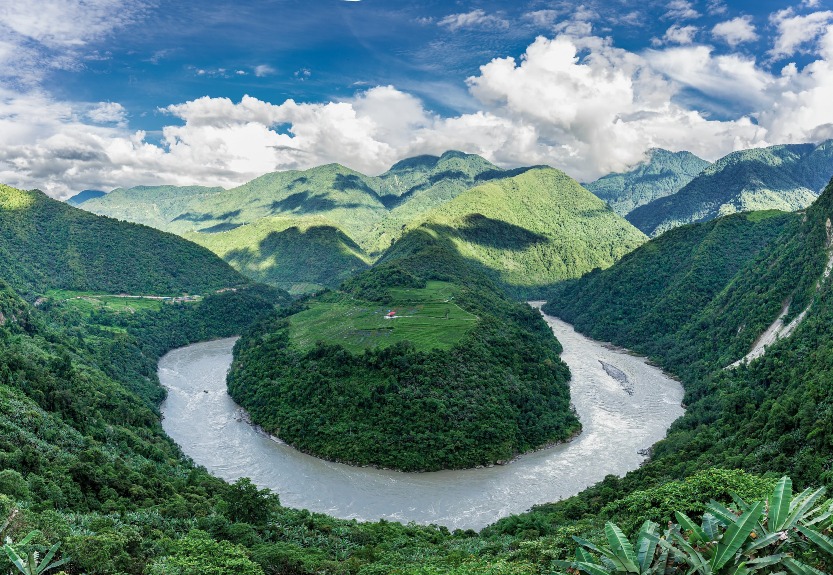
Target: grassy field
89,301
427,317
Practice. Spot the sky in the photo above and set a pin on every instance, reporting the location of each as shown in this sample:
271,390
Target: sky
99,94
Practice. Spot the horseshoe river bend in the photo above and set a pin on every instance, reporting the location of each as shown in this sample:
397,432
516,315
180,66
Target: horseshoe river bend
625,406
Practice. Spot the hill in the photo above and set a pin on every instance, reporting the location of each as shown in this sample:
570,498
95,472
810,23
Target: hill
84,196
786,178
459,377
46,244
759,410
532,229
662,174
305,230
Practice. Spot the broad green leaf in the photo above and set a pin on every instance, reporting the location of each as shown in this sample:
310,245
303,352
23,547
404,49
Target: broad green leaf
762,562
799,568
779,504
721,513
711,527
802,507
735,535
762,542
687,524
646,545
582,555
621,547
823,542
741,570
691,556
591,568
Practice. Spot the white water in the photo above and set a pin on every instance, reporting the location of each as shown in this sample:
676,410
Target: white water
201,417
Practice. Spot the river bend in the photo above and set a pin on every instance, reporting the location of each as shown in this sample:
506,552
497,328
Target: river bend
625,406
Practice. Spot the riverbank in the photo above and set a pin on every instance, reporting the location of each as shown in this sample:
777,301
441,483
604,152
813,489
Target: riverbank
617,426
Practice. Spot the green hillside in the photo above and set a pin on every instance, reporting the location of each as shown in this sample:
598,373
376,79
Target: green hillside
769,415
786,178
303,230
653,293
300,254
46,244
664,173
460,377
532,229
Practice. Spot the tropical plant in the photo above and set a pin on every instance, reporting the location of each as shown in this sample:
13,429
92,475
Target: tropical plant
30,563
763,536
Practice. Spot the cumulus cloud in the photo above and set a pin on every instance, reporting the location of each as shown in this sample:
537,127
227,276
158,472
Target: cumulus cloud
574,101
108,113
474,19
796,31
677,35
681,10
735,31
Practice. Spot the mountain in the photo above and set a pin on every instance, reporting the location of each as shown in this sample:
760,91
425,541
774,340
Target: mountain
787,177
662,174
301,230
84,196
46,244
532,229
420,363
766,411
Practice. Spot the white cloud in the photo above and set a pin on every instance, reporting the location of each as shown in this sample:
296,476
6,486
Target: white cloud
575,101
794,32
735,31
108,113
264,70
681,10
474,19
677,35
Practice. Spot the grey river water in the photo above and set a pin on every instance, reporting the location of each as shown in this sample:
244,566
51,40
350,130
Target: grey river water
621,414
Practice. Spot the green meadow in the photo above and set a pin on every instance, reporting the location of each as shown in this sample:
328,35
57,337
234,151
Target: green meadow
427,317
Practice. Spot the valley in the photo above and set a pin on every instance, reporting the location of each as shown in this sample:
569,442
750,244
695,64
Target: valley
616,427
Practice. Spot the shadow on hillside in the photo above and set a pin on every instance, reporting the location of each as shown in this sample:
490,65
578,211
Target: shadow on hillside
320,255
197,218
306,203
483,231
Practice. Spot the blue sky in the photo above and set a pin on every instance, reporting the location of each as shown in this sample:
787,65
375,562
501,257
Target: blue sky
105,93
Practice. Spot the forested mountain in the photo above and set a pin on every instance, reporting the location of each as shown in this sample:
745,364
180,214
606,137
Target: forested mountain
662,174
84,196
46,244
787,177
459,377
304,230
769,415
532,229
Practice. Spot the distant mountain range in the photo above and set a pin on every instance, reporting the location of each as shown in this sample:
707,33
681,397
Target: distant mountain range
787,177
662,174
305,229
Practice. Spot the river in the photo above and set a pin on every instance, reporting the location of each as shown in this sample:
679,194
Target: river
625,406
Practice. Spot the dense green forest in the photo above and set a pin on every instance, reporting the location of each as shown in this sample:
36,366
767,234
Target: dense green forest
770,415
785,177
662,174
437,390
84,463
46,244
